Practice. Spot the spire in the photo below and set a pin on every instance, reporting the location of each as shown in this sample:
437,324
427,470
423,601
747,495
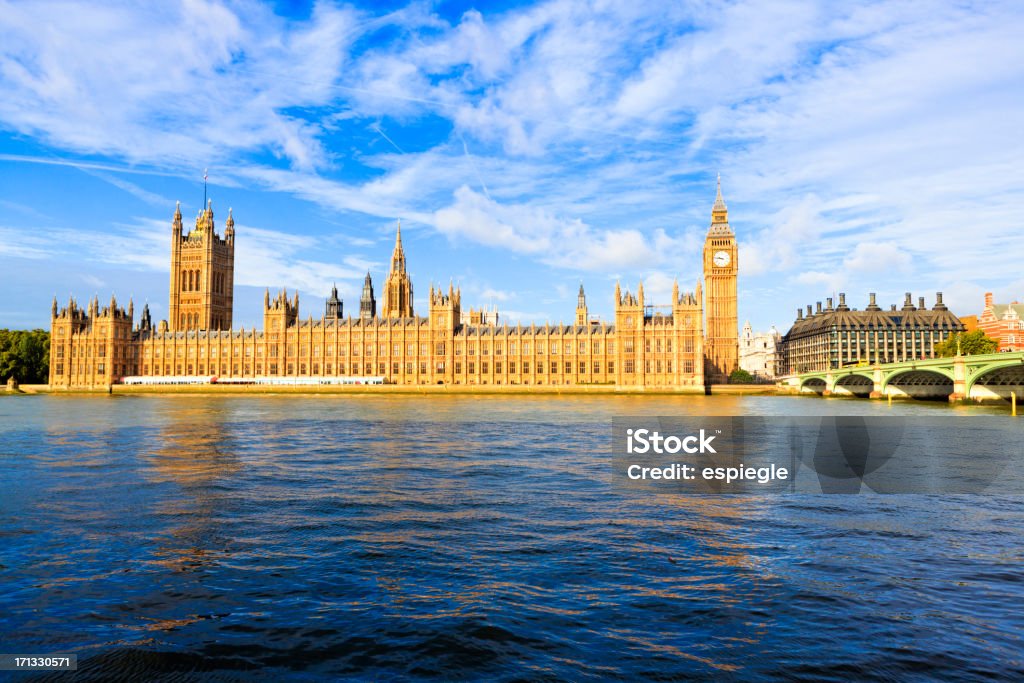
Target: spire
675,291
335,307
54,309
719,202
176,223
398,255
367,302
230,223
719,213
581,307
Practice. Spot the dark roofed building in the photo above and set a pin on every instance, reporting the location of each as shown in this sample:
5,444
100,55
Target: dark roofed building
840,336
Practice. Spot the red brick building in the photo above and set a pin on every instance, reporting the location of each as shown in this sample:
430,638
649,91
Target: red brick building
1004,323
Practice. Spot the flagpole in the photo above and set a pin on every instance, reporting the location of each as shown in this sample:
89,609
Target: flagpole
204,187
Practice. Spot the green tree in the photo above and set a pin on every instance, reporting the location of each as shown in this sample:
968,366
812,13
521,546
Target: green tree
971,344
741,376
25,355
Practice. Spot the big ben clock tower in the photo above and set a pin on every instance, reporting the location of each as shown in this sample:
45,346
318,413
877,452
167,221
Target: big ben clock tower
721,344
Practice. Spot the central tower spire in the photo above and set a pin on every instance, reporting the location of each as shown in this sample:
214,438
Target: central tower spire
398,255
720,213
398,287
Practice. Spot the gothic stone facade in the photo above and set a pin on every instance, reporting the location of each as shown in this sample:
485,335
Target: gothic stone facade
642,348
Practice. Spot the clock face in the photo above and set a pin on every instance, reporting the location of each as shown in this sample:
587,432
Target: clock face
721,259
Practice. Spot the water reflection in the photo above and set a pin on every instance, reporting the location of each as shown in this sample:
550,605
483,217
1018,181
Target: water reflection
397,537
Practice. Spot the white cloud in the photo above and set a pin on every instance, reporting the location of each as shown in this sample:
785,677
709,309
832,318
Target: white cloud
196,80
491,294
821,284
875,140
877,257
564,242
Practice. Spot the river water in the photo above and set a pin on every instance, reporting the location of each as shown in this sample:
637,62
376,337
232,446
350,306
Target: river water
474,538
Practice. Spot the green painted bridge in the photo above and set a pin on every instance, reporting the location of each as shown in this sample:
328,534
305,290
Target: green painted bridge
988,377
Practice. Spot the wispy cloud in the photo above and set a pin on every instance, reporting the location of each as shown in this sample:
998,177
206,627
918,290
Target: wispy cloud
859,142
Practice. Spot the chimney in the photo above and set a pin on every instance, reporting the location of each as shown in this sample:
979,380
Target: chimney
988,299
893,308
872,302
829,305
908,303
799,313
809,313
920,302
819,307
939,306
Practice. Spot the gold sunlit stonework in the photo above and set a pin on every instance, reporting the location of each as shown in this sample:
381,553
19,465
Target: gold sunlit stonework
202,273
646,346
721,265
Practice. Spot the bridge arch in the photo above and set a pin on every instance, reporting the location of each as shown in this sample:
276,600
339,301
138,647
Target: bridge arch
854,384
997,376
919,382
814,385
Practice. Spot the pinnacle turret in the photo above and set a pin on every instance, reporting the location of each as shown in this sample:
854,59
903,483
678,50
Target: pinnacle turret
335,306
176,224
367,302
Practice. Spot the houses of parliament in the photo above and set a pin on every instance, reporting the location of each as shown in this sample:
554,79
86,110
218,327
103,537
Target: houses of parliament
685,345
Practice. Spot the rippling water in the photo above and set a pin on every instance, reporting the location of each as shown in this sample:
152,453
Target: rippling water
472,538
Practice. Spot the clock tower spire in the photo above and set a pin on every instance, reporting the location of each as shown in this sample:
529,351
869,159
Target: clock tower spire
721,347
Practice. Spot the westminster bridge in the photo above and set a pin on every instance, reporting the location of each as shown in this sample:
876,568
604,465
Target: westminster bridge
986,377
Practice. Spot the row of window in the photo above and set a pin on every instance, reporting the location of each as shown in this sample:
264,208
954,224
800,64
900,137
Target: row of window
101,368
439,348
190,321
86,351
191,281
397,368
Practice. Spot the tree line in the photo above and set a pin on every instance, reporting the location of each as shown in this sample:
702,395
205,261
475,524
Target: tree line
968,344
25,356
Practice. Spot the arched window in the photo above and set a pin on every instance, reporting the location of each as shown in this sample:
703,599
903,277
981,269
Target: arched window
184,282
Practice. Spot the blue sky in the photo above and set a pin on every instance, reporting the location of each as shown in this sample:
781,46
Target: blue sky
525,146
